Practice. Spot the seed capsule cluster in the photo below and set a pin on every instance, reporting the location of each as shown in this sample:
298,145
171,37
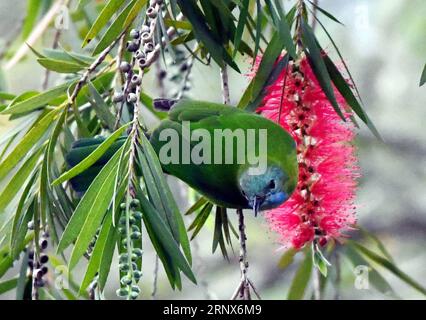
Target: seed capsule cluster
130,231
37,265
141,45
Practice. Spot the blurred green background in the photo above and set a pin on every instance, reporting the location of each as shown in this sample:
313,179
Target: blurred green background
384,44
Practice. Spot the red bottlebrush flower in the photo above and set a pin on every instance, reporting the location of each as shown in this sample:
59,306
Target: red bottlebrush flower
322,206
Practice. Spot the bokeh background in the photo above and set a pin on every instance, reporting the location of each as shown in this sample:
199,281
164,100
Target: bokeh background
384,44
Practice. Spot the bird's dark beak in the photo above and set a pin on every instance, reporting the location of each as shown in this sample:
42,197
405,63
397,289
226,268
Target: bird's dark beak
257,202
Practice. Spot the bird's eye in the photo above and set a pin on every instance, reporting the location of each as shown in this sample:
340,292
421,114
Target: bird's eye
271,184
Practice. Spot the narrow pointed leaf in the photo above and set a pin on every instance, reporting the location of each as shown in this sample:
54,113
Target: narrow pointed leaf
301,279
27,143
94,202
92,158
107,12
389,266
318,66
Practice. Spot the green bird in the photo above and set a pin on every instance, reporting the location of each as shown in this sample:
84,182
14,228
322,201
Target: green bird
223,171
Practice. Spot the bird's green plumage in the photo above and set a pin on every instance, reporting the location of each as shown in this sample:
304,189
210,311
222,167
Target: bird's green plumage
221,183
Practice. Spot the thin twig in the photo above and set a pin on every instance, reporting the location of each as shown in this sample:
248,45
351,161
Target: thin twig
225,85
155,281
85,77
244,284
254,289
317,284
54,46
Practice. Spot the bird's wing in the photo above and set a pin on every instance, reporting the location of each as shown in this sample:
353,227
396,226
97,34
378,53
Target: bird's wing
194,111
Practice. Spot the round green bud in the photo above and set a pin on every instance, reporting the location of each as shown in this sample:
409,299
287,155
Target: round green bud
137,215
126,280
134,203
122,220
136,235
134,295
137,275
138,252
123,258
124,267
136,289
122,292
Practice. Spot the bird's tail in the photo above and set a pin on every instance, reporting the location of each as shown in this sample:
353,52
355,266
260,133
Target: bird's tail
79,151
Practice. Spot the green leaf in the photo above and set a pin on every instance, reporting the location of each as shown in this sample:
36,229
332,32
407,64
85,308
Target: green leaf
114,29
7,259
287,258
318,66
184,25
8,285
320,264
174,218
101,108
267,69
23,279
301,279
217,234
24,202
107,12
284,30
367,234
197,205
242,21
22,229
64,55
92,158
93,204
18,180
60,66
374,277
423,77
163,236
113,235
344,89
33,10
27,143
389,266
266,66
210,40
6,96
201,219
37,101
96,256
134,12
326,13
258,27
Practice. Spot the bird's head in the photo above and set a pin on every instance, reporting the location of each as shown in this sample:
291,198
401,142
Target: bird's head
266,190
